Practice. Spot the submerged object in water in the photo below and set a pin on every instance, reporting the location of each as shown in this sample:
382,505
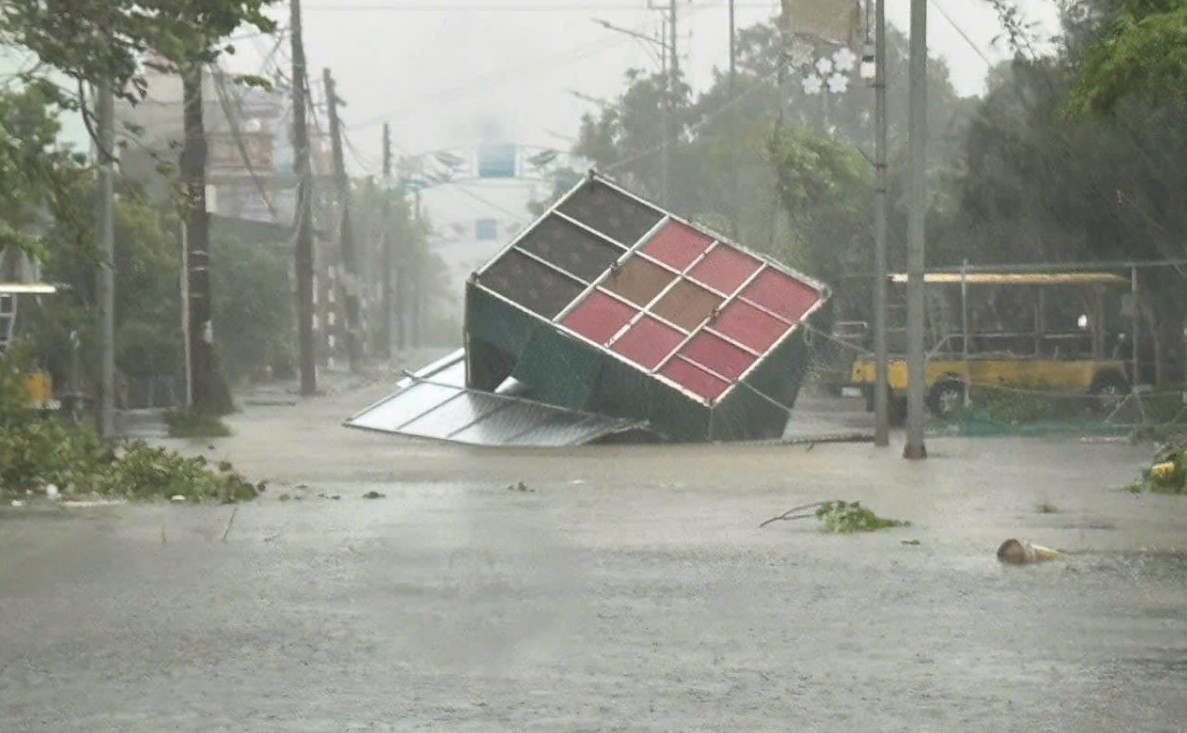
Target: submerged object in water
1021,552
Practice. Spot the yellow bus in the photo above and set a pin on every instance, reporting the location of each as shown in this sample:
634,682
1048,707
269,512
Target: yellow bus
1079,360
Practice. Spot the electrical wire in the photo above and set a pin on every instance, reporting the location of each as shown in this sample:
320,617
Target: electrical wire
220,89
956,27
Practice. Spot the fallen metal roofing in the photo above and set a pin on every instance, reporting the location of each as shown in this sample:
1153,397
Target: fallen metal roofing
434,403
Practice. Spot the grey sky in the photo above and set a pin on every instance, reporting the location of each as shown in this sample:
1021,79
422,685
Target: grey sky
446,73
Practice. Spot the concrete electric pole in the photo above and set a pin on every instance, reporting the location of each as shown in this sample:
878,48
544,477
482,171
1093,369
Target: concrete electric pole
916,232
304,220
350,277
881,356
385,252
105,228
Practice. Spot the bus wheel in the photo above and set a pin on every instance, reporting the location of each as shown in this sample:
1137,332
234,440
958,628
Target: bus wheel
946,398
1109,390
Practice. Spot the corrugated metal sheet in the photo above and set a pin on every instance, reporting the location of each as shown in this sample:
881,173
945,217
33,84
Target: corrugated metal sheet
434,403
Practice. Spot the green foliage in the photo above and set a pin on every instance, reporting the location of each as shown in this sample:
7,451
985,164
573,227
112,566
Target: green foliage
1017,406
142,472
779,170
843,517
37,450
825,188
253,314
90,41
190,423
1168,472
38,177
1142,53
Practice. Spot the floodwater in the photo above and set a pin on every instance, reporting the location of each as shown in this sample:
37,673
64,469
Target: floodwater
628,588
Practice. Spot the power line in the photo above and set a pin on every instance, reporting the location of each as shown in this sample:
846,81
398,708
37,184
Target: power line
518,218
487,81
224,101
701,123
956,27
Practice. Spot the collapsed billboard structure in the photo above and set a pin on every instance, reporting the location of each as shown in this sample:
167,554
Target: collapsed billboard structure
608,308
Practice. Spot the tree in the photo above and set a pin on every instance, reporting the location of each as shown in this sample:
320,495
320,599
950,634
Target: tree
91,41
1043,186
779,169
1141,52
102,43
38,177
826,189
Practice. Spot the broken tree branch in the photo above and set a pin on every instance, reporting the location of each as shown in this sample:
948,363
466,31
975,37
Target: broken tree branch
790,514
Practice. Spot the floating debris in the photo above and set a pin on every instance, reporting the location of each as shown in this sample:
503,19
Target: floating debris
1020,552
839,517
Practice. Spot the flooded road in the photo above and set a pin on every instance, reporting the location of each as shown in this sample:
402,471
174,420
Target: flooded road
626,588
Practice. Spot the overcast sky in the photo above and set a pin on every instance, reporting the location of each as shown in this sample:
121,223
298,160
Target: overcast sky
447,73
451,73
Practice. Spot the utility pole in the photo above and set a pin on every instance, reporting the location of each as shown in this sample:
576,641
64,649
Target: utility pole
203,376
304,223
733,79
385,252
105,228
412,279
670,104
916,223
350,275
881,357
733,51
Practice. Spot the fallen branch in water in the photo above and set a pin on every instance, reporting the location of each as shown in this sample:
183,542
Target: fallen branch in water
839,517
230,521
790,514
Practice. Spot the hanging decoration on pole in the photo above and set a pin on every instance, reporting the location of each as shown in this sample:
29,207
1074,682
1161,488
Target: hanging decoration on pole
820,50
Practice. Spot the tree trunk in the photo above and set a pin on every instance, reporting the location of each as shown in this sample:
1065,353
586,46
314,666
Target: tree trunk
206,393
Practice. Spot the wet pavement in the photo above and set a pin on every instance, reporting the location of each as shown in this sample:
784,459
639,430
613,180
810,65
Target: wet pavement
627,588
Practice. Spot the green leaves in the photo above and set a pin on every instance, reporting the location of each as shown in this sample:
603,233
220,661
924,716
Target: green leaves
1143,52
843,517
90,41
36,451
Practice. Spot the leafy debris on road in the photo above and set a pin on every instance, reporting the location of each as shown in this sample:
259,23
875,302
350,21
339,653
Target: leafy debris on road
374,495
843,517
38,452
1168,472
839,517
521,487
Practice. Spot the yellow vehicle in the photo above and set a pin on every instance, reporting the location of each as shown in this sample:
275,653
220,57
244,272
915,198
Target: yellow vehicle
1076,361
38,387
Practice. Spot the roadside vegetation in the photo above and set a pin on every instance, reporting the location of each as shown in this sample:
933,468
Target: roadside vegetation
44,454
1168,472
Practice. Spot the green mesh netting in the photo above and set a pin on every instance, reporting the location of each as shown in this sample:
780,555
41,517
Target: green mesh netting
1005,410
